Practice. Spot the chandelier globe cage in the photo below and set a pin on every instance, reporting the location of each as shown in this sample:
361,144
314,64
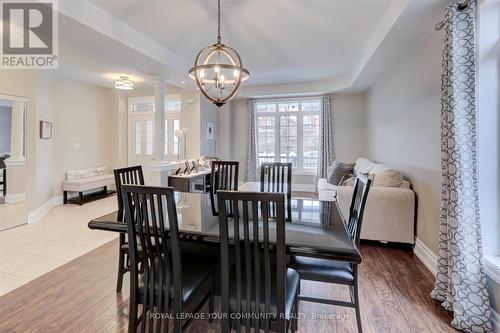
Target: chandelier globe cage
218,71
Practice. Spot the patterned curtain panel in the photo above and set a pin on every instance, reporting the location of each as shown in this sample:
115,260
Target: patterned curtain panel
252,172
460,281
326,136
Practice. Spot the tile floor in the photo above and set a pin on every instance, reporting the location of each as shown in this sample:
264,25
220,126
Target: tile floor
11,214
29,251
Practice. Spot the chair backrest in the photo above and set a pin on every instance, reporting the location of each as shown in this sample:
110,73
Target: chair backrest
126,176
358,202
276,177
257,249
224,176
154,248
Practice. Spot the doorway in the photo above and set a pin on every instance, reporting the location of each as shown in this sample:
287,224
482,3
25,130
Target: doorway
141,122
13,167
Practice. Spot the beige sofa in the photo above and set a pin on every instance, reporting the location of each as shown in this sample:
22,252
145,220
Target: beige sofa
390,208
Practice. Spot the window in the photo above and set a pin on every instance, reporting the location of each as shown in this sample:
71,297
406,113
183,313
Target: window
166,137
137,137
149,137
177,126
288,131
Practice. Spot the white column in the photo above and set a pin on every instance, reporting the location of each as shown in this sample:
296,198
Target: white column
17,131
159,141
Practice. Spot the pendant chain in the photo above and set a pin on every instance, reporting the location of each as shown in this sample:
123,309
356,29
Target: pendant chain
218,20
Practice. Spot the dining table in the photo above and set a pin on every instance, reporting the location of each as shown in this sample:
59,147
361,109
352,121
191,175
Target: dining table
317,228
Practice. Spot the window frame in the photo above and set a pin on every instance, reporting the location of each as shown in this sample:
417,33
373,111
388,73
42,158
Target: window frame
300,169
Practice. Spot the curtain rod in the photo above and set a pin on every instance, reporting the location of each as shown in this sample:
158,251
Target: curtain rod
461,6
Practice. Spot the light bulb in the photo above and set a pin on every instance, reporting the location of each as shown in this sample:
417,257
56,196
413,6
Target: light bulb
202,74
216,69
236,73
222,77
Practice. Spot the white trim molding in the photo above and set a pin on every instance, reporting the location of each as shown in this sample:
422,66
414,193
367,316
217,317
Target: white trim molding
492,267
40,212
495,321
426,256
12,198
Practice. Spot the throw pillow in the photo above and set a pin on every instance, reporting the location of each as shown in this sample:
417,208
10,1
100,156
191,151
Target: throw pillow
338,171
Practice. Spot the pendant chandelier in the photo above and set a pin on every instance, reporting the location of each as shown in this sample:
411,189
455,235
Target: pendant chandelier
218,70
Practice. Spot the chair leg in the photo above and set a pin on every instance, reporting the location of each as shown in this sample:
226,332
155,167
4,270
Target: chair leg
295,319
356,302
80,196
211,302
65,197
121,264
132,314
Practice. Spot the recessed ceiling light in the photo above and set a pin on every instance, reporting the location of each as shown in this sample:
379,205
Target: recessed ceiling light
124,83
183,82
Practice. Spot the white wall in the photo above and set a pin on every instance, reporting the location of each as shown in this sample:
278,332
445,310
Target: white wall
489,124
5,128
350,118
404,128
208,114
82,129
349,112
489,135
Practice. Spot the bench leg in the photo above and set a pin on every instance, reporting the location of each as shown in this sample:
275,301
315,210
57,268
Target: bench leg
105,190
65,197
80,195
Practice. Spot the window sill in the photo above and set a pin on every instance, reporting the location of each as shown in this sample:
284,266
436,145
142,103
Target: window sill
304,172
492,267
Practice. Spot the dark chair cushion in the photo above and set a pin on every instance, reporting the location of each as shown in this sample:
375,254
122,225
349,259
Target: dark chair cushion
195,274
292,285
323,270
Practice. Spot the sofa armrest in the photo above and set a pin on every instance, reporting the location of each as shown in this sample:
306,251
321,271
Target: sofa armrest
389,213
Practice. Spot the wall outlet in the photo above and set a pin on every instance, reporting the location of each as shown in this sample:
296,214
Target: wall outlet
76,146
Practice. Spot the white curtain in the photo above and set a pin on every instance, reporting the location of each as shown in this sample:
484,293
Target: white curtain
326,136
252,172
460,280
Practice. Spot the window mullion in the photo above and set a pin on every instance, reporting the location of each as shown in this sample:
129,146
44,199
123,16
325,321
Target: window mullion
277,135
300,141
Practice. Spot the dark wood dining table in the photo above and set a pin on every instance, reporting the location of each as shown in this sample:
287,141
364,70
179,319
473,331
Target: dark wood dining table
317,228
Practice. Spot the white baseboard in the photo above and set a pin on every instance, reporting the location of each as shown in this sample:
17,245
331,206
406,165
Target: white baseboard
44,209
495,321
426,256
492,268
15,198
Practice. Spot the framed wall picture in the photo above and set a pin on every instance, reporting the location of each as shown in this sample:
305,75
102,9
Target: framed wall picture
210,131
45,130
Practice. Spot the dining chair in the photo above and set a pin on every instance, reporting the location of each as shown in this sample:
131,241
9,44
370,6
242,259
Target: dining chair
257,289
276,177
224,176
162,278
338,272
125,176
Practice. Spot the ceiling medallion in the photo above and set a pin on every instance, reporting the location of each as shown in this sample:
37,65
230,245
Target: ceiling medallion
218,70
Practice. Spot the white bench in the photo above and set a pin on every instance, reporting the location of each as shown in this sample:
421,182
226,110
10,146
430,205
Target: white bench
85,180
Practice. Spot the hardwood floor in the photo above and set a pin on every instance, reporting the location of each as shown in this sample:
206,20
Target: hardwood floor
80,297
